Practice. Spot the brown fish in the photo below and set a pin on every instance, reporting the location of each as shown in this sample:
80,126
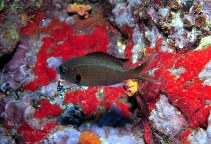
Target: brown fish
100,69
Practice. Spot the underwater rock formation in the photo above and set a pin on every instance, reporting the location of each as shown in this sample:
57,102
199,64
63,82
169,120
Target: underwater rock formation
72,115
180,23
36,106
167,119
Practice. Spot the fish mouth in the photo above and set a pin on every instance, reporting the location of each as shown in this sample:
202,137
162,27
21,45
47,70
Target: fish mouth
60,71
57,69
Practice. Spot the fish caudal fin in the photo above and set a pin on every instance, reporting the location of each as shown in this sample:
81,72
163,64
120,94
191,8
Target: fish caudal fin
145,64
145,77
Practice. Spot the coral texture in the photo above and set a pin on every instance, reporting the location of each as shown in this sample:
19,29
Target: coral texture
36,106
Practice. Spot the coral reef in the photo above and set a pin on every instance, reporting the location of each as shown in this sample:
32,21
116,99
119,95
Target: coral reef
36,106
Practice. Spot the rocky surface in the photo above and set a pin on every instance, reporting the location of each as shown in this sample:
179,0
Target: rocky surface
36,36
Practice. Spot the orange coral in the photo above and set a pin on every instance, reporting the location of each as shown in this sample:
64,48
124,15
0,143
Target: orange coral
82,10
88,137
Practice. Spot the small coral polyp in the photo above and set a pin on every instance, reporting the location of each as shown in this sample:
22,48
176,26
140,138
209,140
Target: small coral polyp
81,10
88,137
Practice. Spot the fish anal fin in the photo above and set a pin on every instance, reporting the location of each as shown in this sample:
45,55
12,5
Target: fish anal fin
98,53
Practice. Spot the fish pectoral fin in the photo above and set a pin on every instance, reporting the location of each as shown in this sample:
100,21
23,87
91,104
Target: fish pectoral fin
98,53
148,78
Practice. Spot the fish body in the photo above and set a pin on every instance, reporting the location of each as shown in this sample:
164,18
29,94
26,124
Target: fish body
99,69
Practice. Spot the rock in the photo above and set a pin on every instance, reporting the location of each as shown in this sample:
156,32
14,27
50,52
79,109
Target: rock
166,118
5,138
65,135
72,115
9,37
14,113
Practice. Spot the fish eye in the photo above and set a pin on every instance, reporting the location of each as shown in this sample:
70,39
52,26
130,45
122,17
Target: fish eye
78,77
61,69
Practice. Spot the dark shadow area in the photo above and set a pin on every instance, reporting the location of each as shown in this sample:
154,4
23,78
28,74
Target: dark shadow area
7,57
72,115
114,117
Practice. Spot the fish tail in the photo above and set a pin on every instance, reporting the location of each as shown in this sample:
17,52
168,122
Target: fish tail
145,64
142,76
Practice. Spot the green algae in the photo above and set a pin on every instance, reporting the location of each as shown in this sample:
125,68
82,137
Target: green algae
36,3
17,6
1,5
11,33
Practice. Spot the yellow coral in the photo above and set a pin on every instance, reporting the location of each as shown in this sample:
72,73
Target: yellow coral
131,87
88,137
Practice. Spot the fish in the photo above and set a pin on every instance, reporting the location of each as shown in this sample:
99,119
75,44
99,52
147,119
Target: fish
100,69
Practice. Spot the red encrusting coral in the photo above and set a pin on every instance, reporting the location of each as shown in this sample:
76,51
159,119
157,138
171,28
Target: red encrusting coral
33,25
128,50
47,109
185,135
147,132
187,92
110,96
31,135
88,100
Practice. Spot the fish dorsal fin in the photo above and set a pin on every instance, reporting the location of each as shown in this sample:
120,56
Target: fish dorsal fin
98,54
108,57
